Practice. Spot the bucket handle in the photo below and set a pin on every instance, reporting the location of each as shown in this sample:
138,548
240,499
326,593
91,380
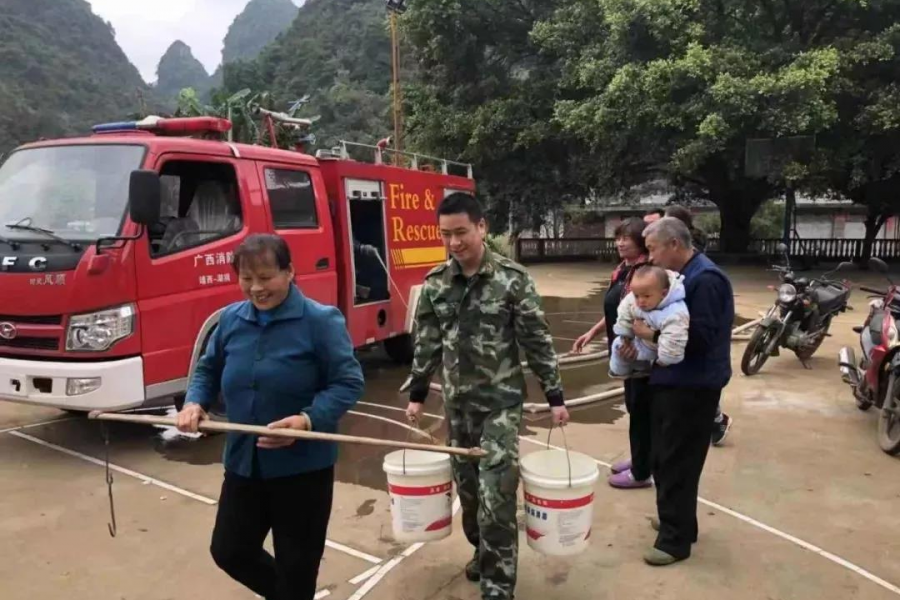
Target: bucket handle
566,442
414,421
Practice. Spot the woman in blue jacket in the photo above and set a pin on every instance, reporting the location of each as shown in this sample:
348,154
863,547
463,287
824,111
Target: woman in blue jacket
282,360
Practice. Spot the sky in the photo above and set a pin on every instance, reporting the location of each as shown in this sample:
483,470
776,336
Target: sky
145,30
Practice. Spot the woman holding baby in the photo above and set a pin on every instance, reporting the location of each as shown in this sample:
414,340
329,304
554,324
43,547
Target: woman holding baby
635,472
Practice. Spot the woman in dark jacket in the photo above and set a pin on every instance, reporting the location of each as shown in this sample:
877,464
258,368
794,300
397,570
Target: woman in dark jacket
634,472
282,360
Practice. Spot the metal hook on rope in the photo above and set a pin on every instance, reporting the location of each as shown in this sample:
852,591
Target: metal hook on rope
109,484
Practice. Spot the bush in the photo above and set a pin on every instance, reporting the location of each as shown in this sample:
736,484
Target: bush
709,223
499,244
767,223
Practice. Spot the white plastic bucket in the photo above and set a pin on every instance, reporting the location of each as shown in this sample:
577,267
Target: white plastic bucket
559,506
421,488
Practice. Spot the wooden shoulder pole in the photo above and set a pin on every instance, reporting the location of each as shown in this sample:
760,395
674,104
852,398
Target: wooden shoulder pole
218,426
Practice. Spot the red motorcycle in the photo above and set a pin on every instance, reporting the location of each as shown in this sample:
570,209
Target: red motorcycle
875,379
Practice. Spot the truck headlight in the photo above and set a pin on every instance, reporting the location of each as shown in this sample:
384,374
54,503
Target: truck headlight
787,293
96,332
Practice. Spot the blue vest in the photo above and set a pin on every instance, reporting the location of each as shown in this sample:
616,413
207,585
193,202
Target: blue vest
707,357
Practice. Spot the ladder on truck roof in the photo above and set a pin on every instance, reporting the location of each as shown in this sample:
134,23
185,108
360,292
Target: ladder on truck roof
414,159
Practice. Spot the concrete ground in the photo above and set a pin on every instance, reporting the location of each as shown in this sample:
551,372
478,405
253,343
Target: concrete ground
799,503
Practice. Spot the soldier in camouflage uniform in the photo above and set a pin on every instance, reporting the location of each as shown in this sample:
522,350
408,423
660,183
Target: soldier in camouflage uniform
474,313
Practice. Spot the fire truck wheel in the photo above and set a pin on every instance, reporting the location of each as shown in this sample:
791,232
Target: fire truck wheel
400,349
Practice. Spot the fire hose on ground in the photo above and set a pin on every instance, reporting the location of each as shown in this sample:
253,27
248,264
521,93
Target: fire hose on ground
574,359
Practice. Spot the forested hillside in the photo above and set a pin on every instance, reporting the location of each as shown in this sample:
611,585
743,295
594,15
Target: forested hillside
60,71
339,53
179,69
257,27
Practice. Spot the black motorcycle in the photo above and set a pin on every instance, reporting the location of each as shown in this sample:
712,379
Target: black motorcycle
800,318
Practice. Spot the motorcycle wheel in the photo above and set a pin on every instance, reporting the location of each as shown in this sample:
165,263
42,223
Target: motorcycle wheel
757,351
807,352
889,420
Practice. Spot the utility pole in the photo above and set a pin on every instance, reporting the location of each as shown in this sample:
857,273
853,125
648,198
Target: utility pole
396,8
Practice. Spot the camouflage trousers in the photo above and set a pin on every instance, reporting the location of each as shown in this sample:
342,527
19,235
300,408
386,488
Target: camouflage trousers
487,492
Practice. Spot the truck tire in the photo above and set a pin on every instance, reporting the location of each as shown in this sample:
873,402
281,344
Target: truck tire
400,349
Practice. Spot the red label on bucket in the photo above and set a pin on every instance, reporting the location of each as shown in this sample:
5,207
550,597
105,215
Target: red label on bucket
559,504
438,525
431,490
534,533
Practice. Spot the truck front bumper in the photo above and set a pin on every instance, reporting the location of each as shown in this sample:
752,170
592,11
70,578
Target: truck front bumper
109,385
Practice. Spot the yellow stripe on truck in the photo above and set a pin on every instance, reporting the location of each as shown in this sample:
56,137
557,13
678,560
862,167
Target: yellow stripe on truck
414,257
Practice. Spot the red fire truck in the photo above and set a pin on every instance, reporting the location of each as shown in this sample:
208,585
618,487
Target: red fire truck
116,249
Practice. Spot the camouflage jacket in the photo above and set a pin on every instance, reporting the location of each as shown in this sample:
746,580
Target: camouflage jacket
475,327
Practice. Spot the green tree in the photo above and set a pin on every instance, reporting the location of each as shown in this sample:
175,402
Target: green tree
677,87
859,156
486,94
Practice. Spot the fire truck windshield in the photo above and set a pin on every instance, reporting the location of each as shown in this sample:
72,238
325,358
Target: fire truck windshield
76,192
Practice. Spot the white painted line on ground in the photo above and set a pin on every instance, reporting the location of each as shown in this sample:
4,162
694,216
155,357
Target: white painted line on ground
776,532
806,545
41,424
741,517
172,488
370,584
564,339
118,469
363,576
352,552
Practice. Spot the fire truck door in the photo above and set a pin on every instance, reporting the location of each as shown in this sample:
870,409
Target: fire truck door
298,209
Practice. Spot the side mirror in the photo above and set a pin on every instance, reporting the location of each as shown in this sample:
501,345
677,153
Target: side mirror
781,248
144,197
876,264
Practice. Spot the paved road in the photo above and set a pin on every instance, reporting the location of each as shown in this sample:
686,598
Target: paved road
801,503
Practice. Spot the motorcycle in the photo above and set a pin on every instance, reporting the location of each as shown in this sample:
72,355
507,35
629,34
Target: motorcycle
875,379
800,318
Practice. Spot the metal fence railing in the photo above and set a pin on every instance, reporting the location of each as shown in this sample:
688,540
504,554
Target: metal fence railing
531,250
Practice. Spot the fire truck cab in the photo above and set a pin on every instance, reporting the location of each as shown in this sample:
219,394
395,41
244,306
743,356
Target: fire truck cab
116,250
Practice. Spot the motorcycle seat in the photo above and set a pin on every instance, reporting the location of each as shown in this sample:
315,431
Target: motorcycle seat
831,297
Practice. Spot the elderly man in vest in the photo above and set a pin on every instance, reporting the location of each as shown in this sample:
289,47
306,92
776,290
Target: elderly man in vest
685,396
